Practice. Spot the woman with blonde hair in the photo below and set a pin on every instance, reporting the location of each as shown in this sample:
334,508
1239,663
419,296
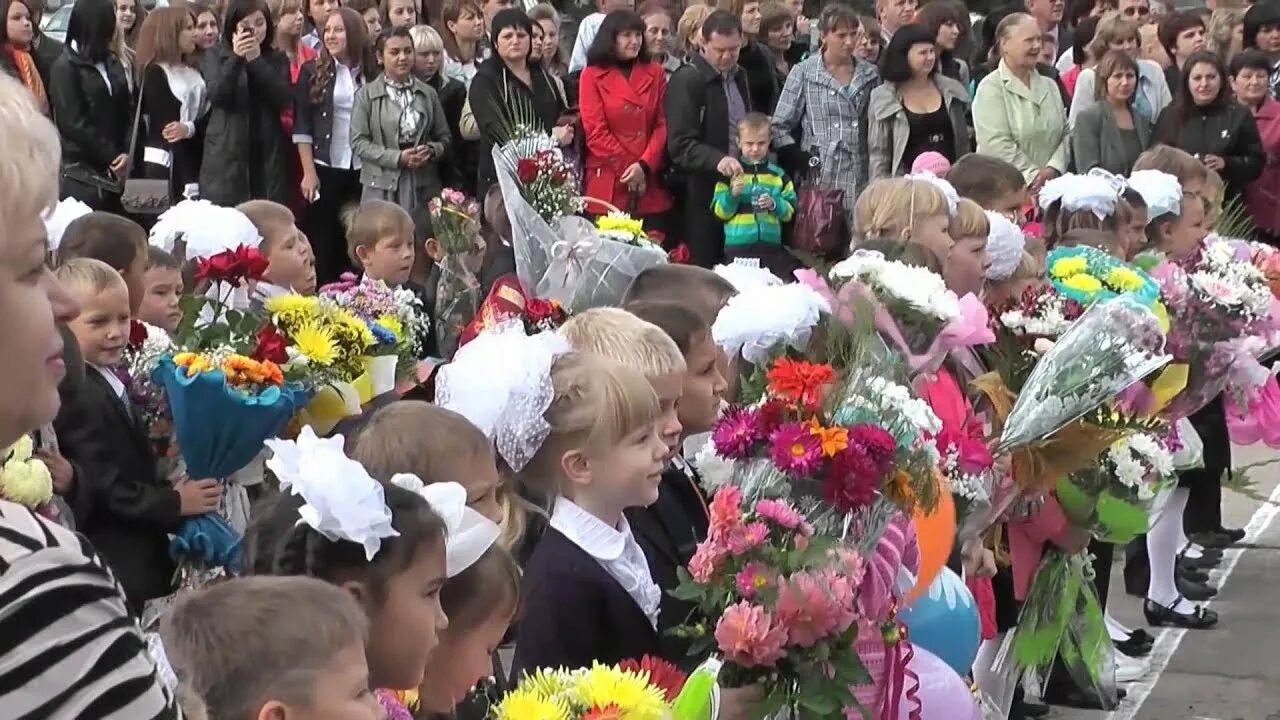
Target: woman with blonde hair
174,98
428,48
290,23
689,28
1225,34
1117,33
552,58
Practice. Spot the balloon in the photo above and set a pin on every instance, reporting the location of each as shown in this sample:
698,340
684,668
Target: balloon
944,621
935,533
942,695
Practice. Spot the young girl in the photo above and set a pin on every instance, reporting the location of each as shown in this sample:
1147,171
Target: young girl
904,210
967,263
588,593
1175,225
383,543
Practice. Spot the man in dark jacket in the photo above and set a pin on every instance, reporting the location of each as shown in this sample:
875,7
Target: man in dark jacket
44,49
705,100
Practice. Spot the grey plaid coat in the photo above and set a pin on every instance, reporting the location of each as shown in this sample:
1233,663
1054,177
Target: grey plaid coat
832,119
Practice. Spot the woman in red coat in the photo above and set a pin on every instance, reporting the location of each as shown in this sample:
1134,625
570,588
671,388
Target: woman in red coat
620,96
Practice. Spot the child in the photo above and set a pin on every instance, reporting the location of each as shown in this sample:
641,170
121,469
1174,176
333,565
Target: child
291,264
117,241
1131,219
696,288
903,211
993,183
1176,218
436,444
1192,175
588,595
670,530
380,241
965,267
388,550
932,162
755,204
130,509
273,647
163,282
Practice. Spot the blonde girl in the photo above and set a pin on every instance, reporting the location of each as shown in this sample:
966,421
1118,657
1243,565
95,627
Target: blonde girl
905,210
588,594
965,267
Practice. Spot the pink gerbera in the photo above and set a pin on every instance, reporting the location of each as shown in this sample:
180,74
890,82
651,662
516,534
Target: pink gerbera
779,513
735,433
795,450
752,579
747,537
806,609
749,637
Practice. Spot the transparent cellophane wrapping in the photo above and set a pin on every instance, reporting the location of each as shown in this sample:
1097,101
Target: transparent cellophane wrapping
568,260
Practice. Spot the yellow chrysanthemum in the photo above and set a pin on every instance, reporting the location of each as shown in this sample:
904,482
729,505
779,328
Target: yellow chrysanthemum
621,222
1124,279
291,305
316,343
193,362
1162,316
1068,266
393,324
521,704
1087,284
358,329
631,692
20,451
27,483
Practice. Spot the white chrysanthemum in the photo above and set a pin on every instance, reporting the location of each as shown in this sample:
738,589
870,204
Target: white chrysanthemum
757,320
917,287
714,471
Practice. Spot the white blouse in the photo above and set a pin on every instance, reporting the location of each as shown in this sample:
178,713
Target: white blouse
344,97
188,88
615,549
460,71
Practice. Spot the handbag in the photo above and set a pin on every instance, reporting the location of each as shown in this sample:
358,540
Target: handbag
145,196
821,227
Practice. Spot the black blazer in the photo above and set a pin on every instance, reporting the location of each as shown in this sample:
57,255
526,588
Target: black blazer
1228,130
93,119
762,76
314,118
161,107
574,613
669,531
130,510
498,97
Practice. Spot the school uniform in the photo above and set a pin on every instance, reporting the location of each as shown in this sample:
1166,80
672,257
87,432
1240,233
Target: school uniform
130,509
586,596
669,532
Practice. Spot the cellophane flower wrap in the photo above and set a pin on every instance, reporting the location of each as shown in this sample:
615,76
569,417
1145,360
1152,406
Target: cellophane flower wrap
507,301
455,221
147,344
786,603
559,255
643,689
394,316
1119,497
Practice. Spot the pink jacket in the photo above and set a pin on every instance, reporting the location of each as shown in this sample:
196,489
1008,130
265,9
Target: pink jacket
1027,538
1262,197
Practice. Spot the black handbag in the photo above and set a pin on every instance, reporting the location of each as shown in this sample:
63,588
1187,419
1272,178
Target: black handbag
145,196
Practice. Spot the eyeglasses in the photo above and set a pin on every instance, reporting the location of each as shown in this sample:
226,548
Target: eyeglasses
1137,11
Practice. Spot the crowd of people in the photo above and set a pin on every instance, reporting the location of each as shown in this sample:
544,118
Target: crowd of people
739,133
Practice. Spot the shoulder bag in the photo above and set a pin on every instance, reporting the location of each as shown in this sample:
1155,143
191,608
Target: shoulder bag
145,196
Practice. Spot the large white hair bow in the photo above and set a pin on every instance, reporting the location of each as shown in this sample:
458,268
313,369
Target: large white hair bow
1159,190
757,319
468,533
205,228
341,500
1005,243
747,275
501,382
1093,192
62,215
948,190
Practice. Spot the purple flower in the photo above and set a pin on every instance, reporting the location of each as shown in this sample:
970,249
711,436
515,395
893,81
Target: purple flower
735,433
795,449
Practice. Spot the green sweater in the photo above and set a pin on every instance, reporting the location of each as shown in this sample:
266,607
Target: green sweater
744,224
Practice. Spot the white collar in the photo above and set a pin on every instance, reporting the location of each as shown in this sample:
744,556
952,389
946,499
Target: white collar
112,380
589,532
265,290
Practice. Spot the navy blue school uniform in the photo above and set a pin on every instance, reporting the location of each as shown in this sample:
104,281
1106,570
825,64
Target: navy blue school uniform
129,509
669,532
573,611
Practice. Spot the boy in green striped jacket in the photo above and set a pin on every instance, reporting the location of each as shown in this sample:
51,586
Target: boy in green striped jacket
755,204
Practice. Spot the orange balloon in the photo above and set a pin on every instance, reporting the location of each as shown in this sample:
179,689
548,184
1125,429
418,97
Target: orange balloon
936,534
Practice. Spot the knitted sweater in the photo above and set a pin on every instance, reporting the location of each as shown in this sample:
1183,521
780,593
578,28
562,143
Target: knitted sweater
744,223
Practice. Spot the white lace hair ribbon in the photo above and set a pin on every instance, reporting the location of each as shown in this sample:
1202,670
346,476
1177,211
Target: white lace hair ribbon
468,533
755,320
1159,190
501,382
205,228
341,500
948,190
60,216
1005,244
745,275
1094,192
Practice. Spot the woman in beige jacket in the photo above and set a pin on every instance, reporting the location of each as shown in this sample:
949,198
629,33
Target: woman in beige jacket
1018,114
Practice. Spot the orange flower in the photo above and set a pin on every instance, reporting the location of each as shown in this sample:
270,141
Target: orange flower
833,439
608,712
799,381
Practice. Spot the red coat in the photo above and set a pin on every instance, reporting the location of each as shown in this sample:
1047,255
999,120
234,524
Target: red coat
623,121
1263,195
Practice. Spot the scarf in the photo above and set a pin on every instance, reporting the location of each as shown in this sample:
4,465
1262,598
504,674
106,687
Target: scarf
410,118
30,77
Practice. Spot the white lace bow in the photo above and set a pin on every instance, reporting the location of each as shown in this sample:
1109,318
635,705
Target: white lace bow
468,534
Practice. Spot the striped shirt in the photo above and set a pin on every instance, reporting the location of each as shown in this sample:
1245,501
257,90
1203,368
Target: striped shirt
68,646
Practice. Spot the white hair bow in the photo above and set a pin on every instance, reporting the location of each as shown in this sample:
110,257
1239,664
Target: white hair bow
1159,190
746,275
341,500
948,190
1005,243
1093,192
468,533
63,214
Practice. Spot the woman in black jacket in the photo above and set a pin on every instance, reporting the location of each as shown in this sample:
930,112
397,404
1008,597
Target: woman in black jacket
245,149
508,89
92,106
174,98
323,100
428,47
1207,122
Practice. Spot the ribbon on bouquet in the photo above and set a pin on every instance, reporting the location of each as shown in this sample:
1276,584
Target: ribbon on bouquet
970,329
902,680
573,255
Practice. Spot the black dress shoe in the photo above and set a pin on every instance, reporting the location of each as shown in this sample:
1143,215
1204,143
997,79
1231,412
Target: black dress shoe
1133,648
1159,616
1236,534
1194,591
1141,635
1212,539
1192,573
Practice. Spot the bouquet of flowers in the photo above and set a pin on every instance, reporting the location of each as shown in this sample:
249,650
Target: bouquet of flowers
787,603
455,221
147,344
548,184
642,689
621,227
24,478
396,320
1117,498
1086,275
507,300
1026,327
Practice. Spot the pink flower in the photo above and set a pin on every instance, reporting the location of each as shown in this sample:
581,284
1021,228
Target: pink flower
753,578
876,443
844,596
747,537
802,541
795,449
749,637
705,562
851,480
735,433
725,510
806,609
779,513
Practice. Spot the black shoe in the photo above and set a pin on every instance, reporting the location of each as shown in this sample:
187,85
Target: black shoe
1213,539
1204,562
1236,534
1033,710
1143,636
1159,616
1133,648
1194,591
1191,573
1076,698
1213,555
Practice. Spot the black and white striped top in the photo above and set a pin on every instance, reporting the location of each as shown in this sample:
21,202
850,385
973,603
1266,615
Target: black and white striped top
68,646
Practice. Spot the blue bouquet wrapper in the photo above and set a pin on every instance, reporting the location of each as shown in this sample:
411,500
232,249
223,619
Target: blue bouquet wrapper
207,538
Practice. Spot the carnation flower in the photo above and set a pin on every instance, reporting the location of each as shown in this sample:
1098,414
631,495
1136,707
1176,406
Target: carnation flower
806,610
851,480
795,450
737,430
779,513
748,636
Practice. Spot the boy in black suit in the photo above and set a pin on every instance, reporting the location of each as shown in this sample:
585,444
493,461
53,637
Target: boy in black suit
129,509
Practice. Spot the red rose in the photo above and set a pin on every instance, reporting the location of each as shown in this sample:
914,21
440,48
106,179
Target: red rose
271,345
223,267
137,334
253,262
526,170
680,255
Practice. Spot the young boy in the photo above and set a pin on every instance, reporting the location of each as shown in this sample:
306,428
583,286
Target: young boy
291,264
755,204
380,241
994,184
697,288
163,282
129,510
273,647
117,241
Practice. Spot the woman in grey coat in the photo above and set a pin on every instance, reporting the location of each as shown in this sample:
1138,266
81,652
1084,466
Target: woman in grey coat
398,128
917,109
1110,134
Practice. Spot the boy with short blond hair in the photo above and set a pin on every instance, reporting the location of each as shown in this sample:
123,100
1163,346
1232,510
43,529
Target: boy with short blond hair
756,204
380,241
291,264
272,647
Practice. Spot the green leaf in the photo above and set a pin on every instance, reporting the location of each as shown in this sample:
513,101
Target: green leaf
689,592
